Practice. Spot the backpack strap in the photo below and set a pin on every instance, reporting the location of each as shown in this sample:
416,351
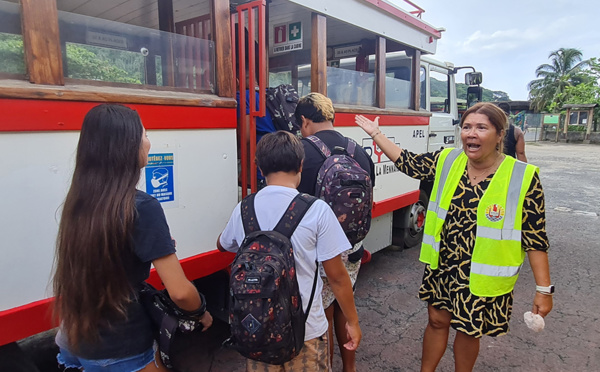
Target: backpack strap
350,147
294,213
288,223
249,214
326,152
319,145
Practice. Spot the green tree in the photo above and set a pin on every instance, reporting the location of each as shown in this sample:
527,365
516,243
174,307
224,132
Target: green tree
11,54
564,70
94,63
587,92
487,96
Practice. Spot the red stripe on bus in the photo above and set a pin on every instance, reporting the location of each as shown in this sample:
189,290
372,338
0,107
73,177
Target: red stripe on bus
343,119
21,115
24,321
389,205
199,266
27,320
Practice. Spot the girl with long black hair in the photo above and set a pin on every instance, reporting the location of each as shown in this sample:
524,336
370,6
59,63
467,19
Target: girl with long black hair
109,235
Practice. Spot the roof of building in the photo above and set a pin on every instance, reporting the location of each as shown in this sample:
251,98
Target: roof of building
577,106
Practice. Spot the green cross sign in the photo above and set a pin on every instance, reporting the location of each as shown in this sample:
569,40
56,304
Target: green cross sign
295,31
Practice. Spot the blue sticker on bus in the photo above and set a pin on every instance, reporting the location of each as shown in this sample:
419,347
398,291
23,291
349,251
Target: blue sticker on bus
159,177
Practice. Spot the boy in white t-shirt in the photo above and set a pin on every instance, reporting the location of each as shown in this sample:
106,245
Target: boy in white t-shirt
318,237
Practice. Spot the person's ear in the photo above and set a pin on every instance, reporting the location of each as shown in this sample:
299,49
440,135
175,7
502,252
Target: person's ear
301,165
304,121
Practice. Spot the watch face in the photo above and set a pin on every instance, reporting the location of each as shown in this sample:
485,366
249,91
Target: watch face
551,288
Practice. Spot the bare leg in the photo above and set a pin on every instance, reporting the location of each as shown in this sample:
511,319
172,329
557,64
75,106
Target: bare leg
348,356
329,314
466,350
156,366
435,339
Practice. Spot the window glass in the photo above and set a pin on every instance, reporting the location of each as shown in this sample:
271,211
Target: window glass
12,59
349,87
397,82
573,117
423,88
104,49
350,63
278,78
438,86
583,117
303,80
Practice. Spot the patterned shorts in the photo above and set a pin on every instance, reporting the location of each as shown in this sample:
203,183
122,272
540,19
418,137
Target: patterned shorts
313,357
352,269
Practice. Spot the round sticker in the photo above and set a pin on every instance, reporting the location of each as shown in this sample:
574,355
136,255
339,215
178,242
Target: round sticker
494,213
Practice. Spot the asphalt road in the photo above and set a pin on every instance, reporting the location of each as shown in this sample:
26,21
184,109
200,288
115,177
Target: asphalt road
393,318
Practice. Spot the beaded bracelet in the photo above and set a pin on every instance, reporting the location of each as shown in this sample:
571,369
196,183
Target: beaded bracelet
375,135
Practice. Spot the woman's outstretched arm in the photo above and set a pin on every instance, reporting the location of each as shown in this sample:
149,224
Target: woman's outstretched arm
389,148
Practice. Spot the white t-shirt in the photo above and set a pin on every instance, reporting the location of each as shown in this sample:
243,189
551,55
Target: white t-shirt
318,237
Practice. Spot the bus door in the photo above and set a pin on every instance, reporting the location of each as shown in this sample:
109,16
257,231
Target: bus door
248,26
442,105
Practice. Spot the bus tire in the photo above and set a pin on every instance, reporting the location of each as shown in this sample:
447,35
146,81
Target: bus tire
412,234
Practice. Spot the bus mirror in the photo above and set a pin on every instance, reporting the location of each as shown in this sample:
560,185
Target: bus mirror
473,78
474,95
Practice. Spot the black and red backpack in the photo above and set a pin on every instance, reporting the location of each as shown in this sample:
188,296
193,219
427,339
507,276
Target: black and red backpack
266,317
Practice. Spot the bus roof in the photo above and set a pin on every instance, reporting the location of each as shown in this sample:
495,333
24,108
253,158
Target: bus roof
381,18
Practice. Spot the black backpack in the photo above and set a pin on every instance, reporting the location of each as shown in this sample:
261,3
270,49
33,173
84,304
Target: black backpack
281,102
265,310
346,187
168,318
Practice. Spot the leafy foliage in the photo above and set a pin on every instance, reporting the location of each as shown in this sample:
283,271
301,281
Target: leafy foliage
95,63
564,70
83,61
587,92
439,89
11,54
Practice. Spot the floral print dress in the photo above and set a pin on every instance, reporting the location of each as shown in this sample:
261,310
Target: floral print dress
447,288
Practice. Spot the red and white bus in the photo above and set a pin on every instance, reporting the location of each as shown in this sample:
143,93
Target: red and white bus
176,62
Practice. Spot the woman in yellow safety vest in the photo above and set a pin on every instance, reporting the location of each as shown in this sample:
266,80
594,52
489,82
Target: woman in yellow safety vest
485,211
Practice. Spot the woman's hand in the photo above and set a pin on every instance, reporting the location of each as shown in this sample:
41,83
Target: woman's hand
354,335
542,304
370,127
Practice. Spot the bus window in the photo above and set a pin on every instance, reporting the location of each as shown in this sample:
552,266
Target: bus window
304,80
423,91
278,78
439,98
11,40
136,52
351,61
350,87
397,81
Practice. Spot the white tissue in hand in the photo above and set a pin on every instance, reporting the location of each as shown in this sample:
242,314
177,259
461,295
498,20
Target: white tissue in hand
535,322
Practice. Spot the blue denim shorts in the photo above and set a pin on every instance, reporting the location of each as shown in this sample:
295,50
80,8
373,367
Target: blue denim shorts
128,364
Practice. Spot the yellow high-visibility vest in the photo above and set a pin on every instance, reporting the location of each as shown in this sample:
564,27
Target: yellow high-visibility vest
497,255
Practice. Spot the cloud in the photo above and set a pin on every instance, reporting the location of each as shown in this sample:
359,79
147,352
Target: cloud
501,41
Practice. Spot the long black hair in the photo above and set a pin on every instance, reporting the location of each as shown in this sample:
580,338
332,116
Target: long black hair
90,283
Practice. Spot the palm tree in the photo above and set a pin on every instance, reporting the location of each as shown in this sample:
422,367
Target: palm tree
563,70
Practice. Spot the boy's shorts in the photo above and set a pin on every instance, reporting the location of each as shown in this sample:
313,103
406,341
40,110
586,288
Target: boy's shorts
128,364
314,356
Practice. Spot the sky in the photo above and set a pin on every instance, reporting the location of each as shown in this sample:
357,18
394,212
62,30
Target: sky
508,39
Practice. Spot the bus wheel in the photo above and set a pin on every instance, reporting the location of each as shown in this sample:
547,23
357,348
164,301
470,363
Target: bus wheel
413,232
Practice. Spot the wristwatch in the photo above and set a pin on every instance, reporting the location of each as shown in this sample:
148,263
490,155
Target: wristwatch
549,290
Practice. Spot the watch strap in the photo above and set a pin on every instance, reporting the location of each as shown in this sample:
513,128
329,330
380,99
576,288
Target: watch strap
545,290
